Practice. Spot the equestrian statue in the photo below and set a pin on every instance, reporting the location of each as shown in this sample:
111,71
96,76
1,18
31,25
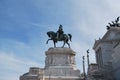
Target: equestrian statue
59,36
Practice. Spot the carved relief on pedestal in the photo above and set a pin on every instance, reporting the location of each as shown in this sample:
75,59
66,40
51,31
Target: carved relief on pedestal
53,57
67,59
72,60
60,56
47,61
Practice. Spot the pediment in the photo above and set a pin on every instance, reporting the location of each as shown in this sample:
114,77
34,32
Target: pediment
112,34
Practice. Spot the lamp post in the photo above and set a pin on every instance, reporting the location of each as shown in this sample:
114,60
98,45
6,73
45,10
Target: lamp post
84,67
88,57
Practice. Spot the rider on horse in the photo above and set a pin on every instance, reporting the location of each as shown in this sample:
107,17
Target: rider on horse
59,36
60,32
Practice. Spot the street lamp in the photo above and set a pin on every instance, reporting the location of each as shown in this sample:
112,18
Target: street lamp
88,57
84,67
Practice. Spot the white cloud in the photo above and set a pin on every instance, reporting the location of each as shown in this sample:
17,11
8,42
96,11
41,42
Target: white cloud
91,17
13,66
22,49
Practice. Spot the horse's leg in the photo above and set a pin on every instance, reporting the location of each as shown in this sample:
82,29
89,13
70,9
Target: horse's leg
54,44
63,44
66,41
68,44
48,40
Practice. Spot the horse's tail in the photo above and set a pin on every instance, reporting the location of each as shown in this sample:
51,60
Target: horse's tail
70,37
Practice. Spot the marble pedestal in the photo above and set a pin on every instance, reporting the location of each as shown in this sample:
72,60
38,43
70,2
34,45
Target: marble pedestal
60,64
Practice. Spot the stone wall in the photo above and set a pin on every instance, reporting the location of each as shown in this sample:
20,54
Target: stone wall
34,73
116,60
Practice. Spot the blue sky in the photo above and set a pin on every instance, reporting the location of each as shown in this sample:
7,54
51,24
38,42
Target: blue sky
24,23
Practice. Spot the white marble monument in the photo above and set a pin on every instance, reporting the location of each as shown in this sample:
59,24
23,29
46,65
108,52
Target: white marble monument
60,64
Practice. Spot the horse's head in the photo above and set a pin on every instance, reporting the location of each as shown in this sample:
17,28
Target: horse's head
48,33
51,34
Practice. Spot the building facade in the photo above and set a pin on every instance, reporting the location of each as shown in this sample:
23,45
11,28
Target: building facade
107,52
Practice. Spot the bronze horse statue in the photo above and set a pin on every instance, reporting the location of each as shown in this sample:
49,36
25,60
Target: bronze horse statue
64,37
